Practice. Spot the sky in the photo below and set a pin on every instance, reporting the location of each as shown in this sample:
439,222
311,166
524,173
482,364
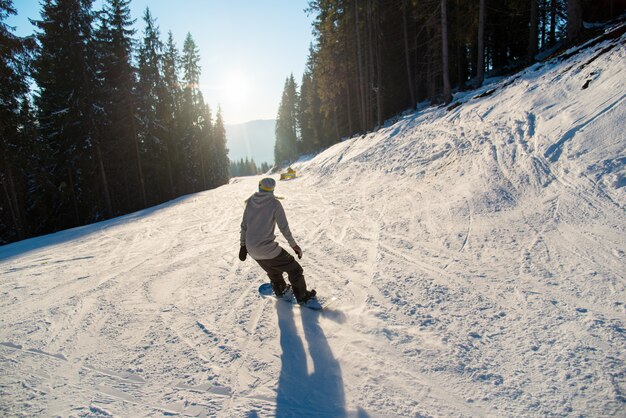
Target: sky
247,47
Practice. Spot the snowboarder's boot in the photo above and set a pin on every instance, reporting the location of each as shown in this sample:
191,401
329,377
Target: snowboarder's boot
298,284
308,295
279,286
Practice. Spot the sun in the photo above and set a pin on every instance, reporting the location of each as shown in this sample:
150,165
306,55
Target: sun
236,86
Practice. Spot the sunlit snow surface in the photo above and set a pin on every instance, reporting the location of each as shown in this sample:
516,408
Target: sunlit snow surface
476,256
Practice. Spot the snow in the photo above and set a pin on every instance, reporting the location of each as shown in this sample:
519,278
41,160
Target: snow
476,256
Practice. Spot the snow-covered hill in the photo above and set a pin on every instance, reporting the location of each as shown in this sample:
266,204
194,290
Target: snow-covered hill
476,256
253,140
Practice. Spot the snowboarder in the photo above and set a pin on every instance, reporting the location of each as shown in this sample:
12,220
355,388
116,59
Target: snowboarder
262,213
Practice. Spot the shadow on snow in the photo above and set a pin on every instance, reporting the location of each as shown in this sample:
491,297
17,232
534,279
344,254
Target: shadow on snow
303,393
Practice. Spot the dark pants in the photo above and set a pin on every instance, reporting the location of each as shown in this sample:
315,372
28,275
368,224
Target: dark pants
285,263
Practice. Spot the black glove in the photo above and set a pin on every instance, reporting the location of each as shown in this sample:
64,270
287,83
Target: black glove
298,251
243,253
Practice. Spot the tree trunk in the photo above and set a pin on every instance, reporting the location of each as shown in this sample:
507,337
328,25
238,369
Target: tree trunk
105,183
360,65
407,54
12,201
336,123
379,69
553,12
201,155
533,34
349,109
371,68
461,66
480,64
543,25
574,19
612,9
139,169
447,91
431,63
135,137
170,176
74,199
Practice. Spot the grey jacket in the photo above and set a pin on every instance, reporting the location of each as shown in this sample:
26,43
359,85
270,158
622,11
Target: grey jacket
263,211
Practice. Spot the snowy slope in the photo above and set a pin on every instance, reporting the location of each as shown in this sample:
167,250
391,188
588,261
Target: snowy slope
477,258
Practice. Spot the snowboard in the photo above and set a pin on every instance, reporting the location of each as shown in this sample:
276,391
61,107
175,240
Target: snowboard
266,291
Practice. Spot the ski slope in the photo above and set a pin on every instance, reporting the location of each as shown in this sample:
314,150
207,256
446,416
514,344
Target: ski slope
476,256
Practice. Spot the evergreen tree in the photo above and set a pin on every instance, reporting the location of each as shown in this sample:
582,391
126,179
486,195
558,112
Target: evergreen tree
220,152
265,167
339,53
170,99
252,168
309,116
152,111
447,93
120,106
15,135
192,105
246,167
533,36
574,19
480,64
307,136
65,75
553,23
286,147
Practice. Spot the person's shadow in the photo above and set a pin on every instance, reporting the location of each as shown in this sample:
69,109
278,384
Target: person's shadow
319,393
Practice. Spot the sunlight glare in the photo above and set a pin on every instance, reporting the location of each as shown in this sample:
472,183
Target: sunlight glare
236,86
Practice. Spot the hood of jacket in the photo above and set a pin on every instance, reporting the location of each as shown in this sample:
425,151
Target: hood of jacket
260,199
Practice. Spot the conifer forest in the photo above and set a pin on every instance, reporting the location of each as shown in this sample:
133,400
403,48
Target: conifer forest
99,119
374,59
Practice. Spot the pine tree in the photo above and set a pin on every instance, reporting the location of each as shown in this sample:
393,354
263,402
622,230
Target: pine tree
307,136
152,111
337,66
533,36
220,151
574,19
120,105
286,147
65,68
191,107
447,93
234,171
265,167
407,54
15,129
170,99
309,115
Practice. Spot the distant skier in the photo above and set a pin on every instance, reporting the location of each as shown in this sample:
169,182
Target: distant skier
263,211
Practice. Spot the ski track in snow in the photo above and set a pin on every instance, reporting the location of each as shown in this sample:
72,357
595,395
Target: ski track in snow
476,257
